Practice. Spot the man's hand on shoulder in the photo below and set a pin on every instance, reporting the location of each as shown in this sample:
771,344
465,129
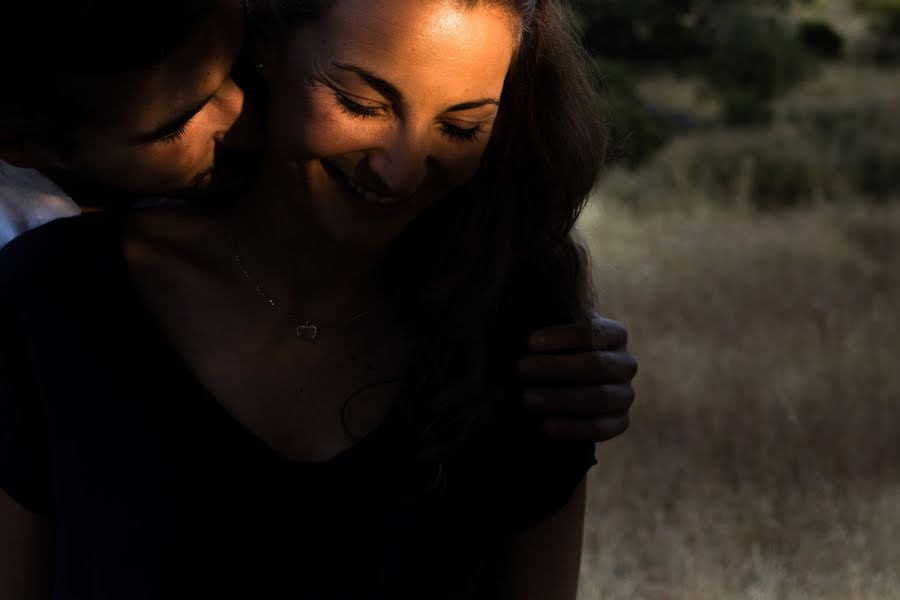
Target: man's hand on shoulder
578,378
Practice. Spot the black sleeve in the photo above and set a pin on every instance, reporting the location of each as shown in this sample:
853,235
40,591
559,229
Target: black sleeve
538,477
538,474
24,462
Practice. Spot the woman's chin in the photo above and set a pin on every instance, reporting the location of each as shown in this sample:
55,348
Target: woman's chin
353,220
350,223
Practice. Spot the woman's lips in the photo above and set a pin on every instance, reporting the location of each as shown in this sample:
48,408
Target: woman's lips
357,188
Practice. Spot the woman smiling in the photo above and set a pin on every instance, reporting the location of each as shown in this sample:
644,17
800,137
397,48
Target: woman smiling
328,362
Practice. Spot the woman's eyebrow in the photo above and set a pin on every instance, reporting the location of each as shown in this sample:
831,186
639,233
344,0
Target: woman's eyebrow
473,104
389,91
380,85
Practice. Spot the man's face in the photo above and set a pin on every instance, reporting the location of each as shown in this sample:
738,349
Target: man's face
160,130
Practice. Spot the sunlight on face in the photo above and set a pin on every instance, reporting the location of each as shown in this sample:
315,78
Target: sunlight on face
385,106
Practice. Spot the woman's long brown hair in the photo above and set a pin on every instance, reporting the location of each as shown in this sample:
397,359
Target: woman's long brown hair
497,257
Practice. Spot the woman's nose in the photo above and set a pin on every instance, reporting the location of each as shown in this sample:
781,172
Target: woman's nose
402,162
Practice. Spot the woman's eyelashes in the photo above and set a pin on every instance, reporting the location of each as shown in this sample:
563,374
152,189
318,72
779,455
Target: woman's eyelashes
357,110
461,134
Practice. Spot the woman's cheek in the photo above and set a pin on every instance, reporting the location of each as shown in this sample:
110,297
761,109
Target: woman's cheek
460,163
326,130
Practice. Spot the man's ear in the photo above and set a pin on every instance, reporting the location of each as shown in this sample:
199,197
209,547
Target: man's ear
17,151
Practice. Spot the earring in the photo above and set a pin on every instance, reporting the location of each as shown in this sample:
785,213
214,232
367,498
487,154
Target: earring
259,68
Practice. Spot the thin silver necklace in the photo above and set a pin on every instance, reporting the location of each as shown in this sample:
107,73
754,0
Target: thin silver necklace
304,328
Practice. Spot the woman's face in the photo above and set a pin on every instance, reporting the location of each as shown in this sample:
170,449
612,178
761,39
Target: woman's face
383,107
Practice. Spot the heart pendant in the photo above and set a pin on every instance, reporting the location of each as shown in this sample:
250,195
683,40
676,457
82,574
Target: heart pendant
307,332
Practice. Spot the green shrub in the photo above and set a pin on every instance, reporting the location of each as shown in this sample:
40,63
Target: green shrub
642,30
755,54
754,59
765,170
885,18
756,169
823,150
886,12
745,107
856,129
876,170
821,39
635,134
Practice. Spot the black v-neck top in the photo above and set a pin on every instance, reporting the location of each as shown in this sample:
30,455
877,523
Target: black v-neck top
156,492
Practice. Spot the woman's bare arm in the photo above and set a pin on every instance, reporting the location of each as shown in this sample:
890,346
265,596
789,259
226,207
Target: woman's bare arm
26,553
542,563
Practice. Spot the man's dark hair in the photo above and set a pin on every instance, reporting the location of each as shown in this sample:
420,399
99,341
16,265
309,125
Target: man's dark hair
47,43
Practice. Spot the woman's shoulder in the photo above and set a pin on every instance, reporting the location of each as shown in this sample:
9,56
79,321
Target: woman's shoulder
170,230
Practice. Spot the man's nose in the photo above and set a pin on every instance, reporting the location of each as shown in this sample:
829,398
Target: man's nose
242,127
402,162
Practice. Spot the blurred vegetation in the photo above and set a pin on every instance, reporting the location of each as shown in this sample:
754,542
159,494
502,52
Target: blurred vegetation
752,60
744,52
748,232
821,38
885,19
636,133
761,463
835,140
778,137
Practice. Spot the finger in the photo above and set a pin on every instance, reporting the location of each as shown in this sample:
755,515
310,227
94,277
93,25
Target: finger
582,367
594,430
599,333
590,400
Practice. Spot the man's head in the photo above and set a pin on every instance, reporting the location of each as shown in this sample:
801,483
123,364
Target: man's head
133,95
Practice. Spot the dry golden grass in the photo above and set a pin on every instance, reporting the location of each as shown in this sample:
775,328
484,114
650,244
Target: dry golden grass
763,459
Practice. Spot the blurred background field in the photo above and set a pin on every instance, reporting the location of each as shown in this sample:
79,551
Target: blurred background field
747,231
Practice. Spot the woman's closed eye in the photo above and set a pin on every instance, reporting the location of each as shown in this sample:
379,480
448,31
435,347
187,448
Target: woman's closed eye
462,134
356,109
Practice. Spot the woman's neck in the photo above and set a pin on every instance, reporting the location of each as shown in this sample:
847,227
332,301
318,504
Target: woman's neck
283,250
